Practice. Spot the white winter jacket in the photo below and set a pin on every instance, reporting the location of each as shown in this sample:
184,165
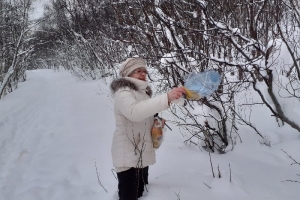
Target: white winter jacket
134,114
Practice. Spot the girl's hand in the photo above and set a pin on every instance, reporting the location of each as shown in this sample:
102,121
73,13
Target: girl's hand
176,93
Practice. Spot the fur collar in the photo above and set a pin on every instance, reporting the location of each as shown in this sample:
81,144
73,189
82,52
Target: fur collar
123,83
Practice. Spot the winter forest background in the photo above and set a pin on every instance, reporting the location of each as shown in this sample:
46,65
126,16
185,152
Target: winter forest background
254,45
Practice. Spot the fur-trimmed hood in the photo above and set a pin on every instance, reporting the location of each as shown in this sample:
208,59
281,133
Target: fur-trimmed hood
125,82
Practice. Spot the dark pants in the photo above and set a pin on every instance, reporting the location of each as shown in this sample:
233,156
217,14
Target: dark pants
131,183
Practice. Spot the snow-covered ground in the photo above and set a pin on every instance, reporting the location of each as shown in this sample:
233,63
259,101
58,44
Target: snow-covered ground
54,129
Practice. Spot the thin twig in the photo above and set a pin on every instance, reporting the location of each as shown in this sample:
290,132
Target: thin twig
230,173
98,176
212,169
178,195
207,185
291,181
290,157
112,171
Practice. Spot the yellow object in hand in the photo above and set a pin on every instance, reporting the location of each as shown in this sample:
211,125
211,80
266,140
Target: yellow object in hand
192,95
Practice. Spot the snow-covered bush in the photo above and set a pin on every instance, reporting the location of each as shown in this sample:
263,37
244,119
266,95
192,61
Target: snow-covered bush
15,43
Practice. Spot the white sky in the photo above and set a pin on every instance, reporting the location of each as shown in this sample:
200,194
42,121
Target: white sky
38,8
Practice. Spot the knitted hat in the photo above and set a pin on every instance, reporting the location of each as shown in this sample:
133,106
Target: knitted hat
131,64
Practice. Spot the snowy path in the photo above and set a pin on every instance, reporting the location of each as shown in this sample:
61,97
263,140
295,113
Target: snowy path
50,136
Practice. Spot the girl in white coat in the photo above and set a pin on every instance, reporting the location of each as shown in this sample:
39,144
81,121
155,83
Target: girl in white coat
134,109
